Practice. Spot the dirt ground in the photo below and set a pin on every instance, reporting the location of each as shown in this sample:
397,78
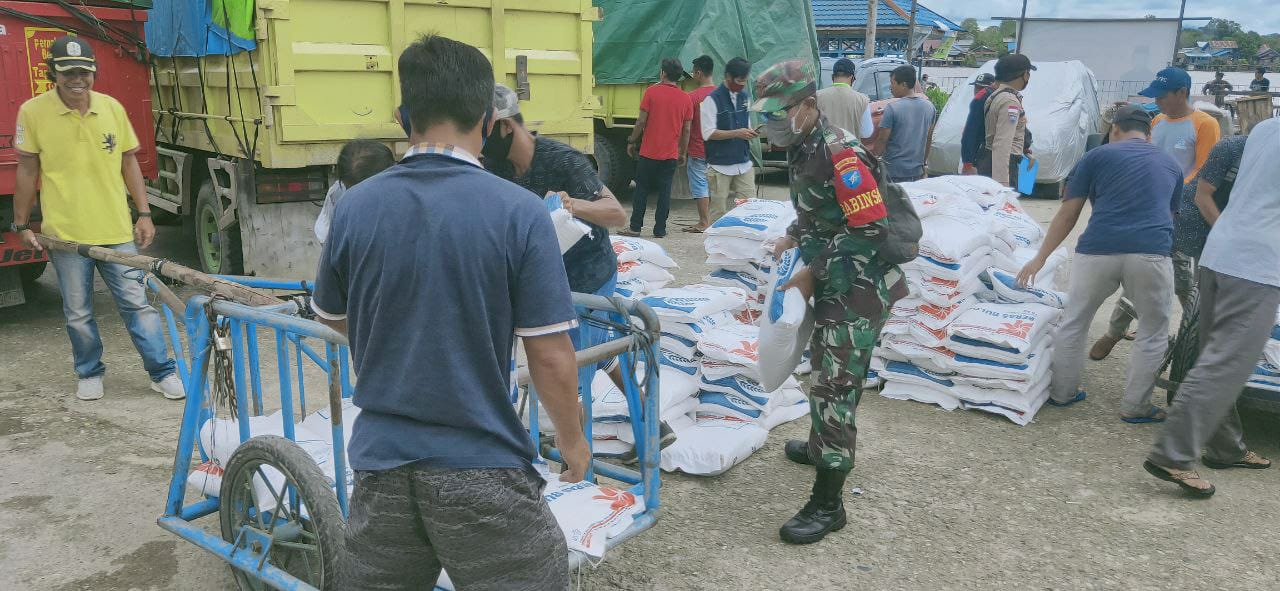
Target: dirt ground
948,500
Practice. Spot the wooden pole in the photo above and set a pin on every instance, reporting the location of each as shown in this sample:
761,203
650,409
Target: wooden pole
911,33
869,51
1022,22
219,287
1177,39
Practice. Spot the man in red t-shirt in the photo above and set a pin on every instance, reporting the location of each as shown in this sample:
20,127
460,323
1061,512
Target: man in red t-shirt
665,118
703,68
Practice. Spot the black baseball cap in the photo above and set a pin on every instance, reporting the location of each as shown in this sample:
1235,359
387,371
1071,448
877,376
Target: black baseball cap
984,80
844,65
1133,113
69,53
1012,65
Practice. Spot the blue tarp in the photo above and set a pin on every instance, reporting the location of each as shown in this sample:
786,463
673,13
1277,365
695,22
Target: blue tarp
197,27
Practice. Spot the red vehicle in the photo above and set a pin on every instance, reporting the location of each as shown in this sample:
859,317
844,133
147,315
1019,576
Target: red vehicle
27,29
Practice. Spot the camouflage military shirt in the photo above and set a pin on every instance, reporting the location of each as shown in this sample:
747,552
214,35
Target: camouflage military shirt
843,259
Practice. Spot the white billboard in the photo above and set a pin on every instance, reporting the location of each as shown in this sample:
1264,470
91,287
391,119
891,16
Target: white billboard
1128,50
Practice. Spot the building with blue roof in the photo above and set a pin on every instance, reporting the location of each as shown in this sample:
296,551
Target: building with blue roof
842,26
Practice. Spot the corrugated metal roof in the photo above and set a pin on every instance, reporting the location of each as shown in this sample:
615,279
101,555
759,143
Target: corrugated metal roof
853,13
1226,44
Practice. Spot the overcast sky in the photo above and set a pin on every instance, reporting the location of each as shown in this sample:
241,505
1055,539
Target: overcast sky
1259,15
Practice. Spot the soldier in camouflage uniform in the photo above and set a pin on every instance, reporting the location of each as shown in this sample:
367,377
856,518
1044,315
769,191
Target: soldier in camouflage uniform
852,288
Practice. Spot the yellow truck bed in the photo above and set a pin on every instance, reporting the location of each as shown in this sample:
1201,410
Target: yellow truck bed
324,73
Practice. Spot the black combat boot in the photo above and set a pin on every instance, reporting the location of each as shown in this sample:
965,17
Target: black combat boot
798,452
823,514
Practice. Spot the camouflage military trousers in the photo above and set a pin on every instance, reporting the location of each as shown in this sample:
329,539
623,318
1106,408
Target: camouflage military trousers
841,353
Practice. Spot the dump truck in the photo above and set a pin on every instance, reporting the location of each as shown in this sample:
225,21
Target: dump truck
27,30
254,100
632,38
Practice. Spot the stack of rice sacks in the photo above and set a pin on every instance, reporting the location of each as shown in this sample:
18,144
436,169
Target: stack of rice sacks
967,336
643,267
740,245
1266,376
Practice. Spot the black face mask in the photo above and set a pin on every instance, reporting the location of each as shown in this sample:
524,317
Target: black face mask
497,147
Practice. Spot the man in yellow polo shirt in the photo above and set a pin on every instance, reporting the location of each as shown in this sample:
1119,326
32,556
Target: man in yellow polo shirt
81,148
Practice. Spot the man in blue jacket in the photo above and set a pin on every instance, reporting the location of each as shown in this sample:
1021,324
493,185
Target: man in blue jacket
975,127
726,130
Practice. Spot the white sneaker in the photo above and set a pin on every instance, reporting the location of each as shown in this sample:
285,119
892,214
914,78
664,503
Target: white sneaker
89,388
170,387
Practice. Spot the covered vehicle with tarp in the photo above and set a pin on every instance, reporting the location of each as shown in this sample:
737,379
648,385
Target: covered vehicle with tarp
1062,112
196,28
635,35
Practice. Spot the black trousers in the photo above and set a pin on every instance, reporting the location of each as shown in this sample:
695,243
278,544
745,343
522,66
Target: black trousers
652,176
984,166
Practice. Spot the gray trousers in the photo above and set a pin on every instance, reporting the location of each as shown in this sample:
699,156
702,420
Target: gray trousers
1236,316
488,528
1149,278
1184,282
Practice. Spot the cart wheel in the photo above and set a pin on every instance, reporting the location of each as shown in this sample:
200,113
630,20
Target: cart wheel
309,546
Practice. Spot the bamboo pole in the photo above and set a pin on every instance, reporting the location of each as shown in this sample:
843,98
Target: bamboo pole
218,287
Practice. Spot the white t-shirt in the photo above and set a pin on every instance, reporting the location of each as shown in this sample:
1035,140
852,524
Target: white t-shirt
336,190
1245,241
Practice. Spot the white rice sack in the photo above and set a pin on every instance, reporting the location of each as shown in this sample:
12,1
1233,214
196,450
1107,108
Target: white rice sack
1007,291
713,445
219,438
941,292
1020,418
786,326
1048,274
728,278
1266,376
679,346
688,305
758,219
926,394
612,448
675,387
634,288
730,405
936,359
785,414
687,364
935,198
589,514
1026,232
1003,370
939,317
968,267
1015,327
613,431
734,343
715,369
897,371
693,331
637,249
1035,373
686,406
608,403
949,239
741,296
568,230
647,272
1272,350
982,190
734,247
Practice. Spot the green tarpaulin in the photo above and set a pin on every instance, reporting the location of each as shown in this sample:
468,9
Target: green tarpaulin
636,35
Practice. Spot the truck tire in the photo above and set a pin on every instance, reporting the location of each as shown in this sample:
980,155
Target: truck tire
218,249
30,273
613,165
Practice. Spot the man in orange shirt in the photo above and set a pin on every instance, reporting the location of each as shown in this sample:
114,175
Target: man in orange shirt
1188,135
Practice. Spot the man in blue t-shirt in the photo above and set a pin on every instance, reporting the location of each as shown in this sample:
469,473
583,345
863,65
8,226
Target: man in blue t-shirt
433,268
1134,188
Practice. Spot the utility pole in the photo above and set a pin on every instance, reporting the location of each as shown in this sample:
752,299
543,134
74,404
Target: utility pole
1022,22
1177,40
911,33
869,51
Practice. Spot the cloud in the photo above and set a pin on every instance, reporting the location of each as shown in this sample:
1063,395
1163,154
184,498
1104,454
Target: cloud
1257,15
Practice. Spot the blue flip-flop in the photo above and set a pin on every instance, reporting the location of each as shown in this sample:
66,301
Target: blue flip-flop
1081,395
1152,416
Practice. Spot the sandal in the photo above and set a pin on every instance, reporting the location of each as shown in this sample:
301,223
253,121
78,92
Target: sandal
1250,460
629,233
1155,415
1074,399
1182,478
695,229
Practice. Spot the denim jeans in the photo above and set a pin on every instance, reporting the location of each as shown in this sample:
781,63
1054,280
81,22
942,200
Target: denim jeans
75,281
